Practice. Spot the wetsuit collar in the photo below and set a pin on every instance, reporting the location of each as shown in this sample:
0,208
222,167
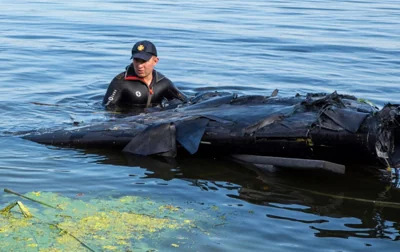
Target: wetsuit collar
159,76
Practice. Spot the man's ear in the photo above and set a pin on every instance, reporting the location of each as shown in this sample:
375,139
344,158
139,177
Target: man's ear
155,59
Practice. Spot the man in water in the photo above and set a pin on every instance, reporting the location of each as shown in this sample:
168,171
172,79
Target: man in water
141,85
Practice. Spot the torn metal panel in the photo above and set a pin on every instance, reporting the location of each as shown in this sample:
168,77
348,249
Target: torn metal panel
189,133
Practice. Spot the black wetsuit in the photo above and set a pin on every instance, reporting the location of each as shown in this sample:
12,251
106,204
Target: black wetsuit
127,90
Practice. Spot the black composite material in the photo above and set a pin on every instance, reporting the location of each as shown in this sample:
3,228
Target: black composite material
332,127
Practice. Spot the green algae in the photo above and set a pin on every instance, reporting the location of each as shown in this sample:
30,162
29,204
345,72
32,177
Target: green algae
361,100
114,224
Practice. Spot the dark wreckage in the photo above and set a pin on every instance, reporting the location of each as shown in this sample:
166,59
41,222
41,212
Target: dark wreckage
328,127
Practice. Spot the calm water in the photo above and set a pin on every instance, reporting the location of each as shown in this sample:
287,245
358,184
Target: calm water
65,53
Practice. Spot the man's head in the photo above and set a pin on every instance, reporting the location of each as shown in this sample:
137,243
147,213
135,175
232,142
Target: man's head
144,50
144,55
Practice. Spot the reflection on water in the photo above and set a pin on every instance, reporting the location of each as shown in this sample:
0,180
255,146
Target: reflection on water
311,199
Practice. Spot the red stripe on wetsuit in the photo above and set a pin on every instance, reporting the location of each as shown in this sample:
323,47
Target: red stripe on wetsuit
140,79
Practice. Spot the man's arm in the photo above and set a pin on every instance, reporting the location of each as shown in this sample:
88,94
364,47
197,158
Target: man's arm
175,93
113,94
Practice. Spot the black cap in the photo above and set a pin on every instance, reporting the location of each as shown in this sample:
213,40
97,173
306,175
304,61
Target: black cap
144,50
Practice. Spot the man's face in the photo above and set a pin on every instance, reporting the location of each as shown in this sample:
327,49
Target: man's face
144,68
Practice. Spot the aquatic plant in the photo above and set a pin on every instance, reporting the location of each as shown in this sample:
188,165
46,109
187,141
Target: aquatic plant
113,224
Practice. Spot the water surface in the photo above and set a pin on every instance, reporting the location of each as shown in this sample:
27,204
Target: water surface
64,53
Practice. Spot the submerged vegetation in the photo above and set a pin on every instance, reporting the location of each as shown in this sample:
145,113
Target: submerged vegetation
115,224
